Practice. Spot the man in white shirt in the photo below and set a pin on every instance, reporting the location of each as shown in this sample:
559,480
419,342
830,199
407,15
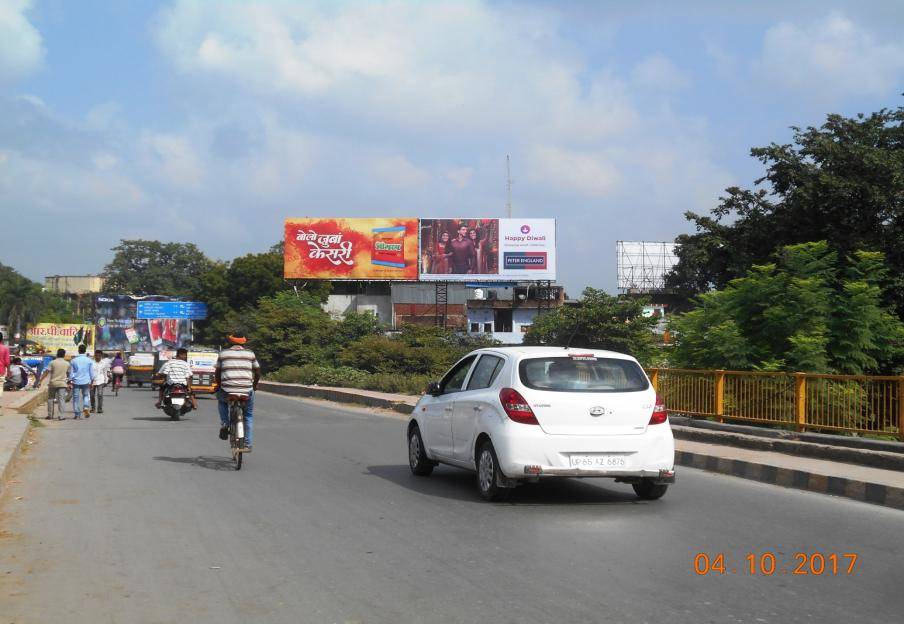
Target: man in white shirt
176,371
100,375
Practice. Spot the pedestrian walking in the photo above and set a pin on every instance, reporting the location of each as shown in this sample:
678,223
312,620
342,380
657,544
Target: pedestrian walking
58,373
100,375
81,372
4,364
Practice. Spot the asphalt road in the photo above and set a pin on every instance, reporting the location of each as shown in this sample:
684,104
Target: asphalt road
128,517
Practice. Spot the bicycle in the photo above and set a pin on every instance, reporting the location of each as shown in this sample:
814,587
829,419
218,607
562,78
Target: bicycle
237,403
117,383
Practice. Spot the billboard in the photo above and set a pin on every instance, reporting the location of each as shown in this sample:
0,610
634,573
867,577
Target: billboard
487,249
351,249
117,327
68,336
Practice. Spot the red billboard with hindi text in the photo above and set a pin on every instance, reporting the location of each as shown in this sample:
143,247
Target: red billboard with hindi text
383,248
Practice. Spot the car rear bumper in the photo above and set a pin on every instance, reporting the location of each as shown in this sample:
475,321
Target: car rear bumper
628,476
526,452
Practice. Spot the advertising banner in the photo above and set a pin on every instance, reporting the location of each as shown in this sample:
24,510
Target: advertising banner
351,249
487,249
205,361
118,329
53,336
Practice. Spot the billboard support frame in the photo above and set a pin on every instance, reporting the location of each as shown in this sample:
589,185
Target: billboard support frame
441,298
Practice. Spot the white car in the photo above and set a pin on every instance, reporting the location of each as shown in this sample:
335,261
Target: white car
519,414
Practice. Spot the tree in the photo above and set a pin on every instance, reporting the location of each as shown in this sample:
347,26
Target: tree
801,312
842,183
289,329
253,276
143,267
23,302
600,321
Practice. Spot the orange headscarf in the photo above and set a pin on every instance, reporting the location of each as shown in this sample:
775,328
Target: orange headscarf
237,340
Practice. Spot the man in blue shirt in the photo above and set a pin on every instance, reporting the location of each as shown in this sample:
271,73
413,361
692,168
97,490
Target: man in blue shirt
81,372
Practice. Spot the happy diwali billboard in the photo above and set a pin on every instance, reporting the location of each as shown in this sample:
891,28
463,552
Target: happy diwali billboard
352,249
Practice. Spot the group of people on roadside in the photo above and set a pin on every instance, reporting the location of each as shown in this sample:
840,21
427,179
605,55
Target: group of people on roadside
467,253
82,380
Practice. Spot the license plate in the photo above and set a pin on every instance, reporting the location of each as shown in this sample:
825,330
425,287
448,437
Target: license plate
598,462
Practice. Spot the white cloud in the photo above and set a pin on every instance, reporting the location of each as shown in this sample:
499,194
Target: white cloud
586,173
455,67
460,176
830,58
21,49
399,171
660,73
173,159
54,188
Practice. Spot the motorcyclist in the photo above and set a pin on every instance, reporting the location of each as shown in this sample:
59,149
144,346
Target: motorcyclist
238,372
176,371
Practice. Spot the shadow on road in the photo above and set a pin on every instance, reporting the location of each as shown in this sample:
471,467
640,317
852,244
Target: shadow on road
157,418
202,461
460,485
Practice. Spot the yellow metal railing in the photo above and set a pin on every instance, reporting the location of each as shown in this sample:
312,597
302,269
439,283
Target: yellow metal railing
846,403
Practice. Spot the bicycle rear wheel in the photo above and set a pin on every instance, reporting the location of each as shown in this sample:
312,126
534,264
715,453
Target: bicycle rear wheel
235,442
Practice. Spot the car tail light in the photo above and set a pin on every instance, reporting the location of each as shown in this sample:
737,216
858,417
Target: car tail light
660,415
516,407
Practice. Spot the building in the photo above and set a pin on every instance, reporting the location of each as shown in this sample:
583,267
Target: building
74,284
360,297
504,310
79,289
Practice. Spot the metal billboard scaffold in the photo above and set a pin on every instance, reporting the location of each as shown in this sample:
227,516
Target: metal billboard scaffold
642,266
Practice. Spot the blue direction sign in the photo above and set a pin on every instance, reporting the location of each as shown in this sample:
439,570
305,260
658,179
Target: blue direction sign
172,310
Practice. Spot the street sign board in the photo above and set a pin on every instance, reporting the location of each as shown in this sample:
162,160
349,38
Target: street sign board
172,310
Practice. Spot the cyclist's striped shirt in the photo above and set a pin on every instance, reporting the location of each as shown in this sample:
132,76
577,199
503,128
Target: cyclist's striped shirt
236,365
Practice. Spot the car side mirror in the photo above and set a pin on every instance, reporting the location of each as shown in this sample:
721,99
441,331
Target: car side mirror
434,389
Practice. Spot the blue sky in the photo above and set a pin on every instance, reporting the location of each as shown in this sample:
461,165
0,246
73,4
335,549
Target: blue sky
212,121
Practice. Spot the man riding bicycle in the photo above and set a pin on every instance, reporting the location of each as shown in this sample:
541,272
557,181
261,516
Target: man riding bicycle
237,372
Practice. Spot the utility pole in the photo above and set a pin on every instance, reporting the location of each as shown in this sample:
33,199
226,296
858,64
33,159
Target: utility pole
508,186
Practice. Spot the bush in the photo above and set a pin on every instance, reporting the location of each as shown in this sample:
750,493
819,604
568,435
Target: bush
347,377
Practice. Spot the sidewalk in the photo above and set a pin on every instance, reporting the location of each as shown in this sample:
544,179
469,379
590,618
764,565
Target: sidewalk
14,425
864,476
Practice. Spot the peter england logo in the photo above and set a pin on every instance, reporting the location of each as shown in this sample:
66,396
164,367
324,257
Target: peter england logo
524,260
599,410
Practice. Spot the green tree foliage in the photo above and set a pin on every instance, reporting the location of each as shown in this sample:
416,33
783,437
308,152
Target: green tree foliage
600,321
355,326
23,302
288,328
143,267
842,183
802,312
253,276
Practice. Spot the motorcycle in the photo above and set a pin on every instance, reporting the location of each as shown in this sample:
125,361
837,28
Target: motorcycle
176,401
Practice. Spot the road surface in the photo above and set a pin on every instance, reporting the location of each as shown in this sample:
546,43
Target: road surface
128,517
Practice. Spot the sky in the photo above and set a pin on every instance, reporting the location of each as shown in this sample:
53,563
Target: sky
212,121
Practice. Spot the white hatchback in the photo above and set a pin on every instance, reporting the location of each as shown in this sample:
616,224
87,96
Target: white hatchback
519,414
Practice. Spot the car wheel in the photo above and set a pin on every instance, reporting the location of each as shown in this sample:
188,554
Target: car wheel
488,474
648,490
417,457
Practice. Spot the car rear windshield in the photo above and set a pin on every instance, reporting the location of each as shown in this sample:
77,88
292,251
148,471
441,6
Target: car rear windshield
582,373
